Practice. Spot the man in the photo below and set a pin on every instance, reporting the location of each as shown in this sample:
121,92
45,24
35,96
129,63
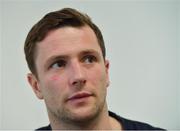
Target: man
66,55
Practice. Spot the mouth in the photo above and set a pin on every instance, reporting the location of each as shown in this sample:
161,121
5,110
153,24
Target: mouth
79,96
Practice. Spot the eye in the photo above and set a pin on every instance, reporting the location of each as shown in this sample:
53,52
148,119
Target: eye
89,59
58,64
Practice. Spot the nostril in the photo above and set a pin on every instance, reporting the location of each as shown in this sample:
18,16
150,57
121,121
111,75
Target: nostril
83,81
79,83
75,82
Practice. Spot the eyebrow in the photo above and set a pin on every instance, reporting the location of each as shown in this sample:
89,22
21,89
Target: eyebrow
64,56
90,51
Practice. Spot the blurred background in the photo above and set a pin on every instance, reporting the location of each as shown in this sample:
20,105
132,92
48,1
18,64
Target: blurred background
142,39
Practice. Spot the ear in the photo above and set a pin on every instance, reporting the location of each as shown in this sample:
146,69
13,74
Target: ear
35,85
107,72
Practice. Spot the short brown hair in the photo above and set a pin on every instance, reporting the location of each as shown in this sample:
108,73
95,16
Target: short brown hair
54,20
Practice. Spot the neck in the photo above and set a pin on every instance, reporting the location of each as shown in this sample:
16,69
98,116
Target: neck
102,122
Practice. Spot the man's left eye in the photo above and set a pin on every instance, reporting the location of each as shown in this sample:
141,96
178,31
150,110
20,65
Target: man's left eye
89,59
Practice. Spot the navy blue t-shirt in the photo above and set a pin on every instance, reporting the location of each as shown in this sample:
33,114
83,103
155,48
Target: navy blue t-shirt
126,124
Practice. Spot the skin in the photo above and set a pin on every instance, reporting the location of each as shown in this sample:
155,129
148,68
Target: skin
73,79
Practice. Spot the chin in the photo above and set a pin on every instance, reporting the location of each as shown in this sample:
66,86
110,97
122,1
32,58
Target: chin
85,113
82,115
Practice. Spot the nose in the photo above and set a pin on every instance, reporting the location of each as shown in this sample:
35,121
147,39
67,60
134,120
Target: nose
77,75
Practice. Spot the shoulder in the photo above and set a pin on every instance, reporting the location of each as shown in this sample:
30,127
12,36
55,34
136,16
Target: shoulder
126,124
133,125
44,128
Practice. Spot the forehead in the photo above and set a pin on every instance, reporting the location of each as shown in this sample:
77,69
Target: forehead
67,40
68,33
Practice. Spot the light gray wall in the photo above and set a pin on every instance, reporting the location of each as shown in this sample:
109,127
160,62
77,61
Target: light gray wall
142,45
0,65
179,57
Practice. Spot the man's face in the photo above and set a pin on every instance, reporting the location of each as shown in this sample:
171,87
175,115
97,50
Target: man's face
72,74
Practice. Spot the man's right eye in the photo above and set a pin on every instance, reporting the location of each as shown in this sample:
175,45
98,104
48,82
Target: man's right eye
58,64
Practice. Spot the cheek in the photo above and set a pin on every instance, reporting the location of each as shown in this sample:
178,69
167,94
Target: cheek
54,78
98,80
54,90
56,81
97,76
54,84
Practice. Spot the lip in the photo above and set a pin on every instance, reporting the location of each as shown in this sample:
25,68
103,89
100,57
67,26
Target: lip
79,95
